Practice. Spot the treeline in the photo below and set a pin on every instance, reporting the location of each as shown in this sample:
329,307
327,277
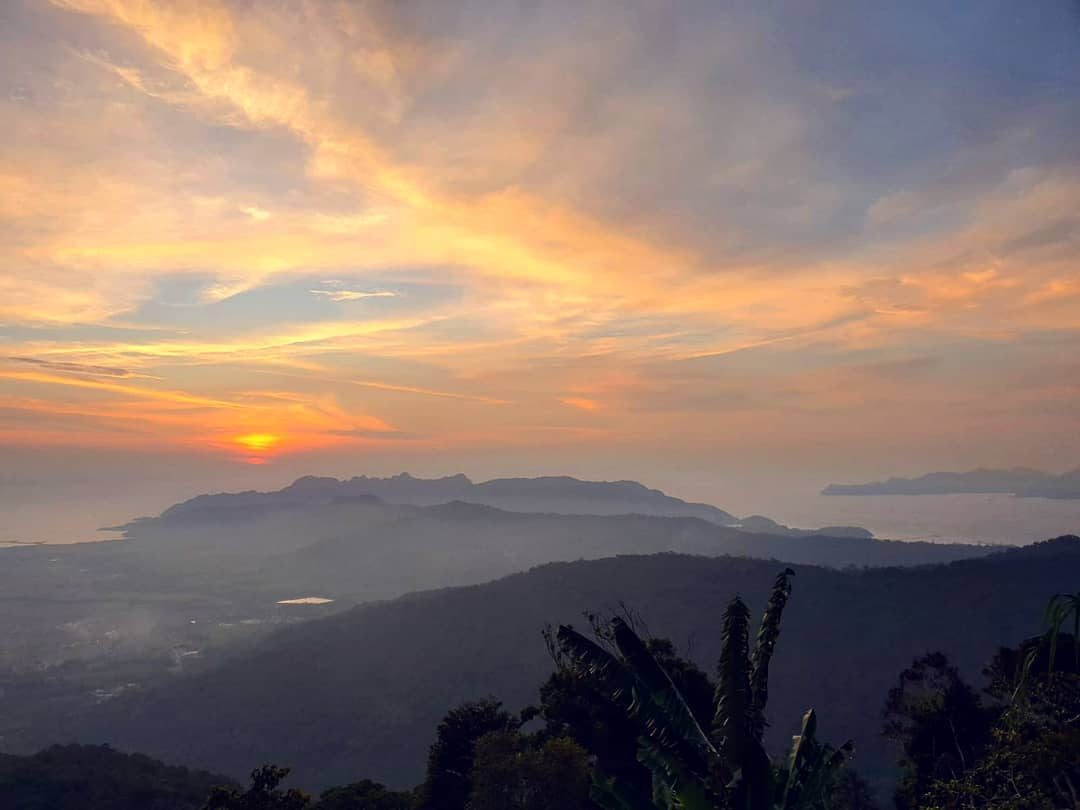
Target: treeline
96,777
625,723
394,668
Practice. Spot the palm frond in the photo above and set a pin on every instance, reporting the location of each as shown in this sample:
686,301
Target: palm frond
603,668
661,690
658,712
812,768
732,698
1058,610
799,759
613,794
675,787
764,645
741,760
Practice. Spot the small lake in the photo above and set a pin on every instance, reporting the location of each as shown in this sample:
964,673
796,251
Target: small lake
306,600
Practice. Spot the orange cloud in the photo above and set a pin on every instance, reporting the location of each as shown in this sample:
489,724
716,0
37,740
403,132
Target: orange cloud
581,403
526,282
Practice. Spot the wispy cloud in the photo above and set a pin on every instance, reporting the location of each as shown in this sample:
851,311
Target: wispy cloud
369,433
81,368
545,253
581,403
337,296
256,213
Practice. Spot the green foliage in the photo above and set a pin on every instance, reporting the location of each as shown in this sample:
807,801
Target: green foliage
364,795
768,633
448,784
938,722
264,793
1032,761
515,772
809,776
742,765
653,731
387,673
691,770
572,706
96,777
851,792
1058,610
1030,757
645,709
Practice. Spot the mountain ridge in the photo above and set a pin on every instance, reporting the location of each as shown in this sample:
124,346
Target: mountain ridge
1021,482
543,494
359,692
341,541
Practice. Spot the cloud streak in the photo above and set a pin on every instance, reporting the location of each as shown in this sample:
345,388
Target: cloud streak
80,368
339,296
688,227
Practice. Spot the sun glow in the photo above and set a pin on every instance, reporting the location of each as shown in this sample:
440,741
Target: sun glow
258,442
403,256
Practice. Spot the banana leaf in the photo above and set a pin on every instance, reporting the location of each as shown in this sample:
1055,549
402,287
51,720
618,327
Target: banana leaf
674,786
658,711
764,645
669,701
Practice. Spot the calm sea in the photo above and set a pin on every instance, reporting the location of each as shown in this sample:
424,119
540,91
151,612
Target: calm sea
996,519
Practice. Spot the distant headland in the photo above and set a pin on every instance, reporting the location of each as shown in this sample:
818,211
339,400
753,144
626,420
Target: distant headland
1019,481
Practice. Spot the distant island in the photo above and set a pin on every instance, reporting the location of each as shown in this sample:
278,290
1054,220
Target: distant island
556,494
1021,482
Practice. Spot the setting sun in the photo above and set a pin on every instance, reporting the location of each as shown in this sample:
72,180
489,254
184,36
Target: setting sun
347,344
258,442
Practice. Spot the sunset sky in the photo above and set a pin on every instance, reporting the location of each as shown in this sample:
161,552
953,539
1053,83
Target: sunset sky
241,241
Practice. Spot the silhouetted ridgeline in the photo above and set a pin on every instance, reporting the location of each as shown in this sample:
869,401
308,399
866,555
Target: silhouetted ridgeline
359,693
190,588
361,549
1020,481
558,494
76,777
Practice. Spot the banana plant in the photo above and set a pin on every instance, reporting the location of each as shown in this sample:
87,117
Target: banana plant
806,778
726,768
1058,610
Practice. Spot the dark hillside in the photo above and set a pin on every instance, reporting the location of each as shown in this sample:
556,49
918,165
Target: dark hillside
373,550
360,692
96,777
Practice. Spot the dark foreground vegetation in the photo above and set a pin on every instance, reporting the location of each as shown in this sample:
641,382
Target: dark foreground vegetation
95,777
359,692
91,621
625,723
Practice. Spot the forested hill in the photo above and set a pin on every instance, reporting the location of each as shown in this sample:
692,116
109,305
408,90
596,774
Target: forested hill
358,694
83,777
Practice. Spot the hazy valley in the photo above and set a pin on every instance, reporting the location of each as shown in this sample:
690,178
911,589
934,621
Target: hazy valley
110,639
732,350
